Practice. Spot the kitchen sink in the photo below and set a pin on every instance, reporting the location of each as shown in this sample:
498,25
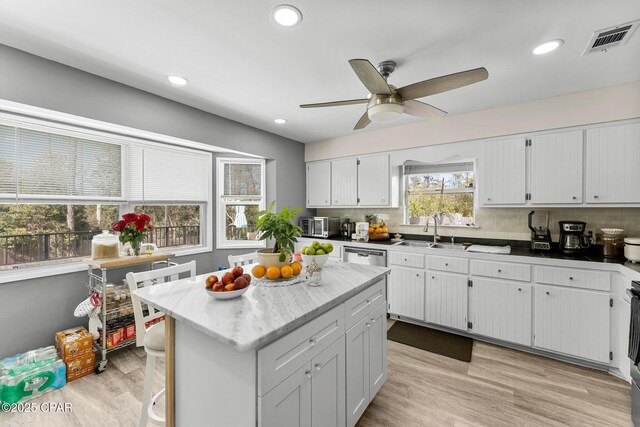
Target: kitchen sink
425,244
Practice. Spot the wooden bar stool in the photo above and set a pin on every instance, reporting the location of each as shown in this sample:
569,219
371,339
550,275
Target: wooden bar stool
153,338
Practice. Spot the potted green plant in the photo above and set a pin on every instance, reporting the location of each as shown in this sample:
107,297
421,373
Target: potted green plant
414,213
280,227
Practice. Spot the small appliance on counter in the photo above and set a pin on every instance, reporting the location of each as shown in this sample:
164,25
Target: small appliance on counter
632,249
572,237
320,226
362,231
348,228
540,233
612,240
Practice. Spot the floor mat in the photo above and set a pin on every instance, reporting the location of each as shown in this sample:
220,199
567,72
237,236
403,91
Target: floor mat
433,340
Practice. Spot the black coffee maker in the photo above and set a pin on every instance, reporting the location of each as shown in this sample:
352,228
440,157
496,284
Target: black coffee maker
572,237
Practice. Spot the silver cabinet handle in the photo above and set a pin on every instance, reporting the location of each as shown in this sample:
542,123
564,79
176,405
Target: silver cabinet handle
446,264
548,293
519,289
570,278
318,366
595,197
417,274
433,277
313,341
499,271
488,198
368,324
574,197
373,320
405,260
307,372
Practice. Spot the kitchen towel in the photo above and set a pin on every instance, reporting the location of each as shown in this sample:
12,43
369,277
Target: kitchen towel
634,331
506,250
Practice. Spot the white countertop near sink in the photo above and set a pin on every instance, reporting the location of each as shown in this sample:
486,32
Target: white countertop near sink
263,313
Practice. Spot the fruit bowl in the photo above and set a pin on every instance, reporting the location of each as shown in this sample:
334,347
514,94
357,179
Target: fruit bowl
379,236
221,295
319,259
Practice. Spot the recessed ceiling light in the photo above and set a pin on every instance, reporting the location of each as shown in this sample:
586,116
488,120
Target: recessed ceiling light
286,15
547,47
280,121
177,80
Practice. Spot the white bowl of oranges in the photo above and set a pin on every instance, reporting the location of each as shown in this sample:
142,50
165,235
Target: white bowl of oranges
318,252
231,285
274,273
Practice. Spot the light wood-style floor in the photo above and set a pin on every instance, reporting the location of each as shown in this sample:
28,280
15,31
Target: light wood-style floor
500,387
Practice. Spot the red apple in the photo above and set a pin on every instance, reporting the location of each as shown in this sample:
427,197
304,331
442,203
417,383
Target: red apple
228,278
211,280
218,287
248,277
237,271
241,283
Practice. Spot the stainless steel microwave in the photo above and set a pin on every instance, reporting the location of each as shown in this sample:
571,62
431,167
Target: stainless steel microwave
319,226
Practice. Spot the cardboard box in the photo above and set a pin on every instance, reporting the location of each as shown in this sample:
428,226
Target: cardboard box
74,343
81,366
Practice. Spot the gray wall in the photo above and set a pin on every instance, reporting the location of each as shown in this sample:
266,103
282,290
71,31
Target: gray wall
31,311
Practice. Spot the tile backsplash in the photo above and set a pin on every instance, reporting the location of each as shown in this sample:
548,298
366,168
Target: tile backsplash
507,223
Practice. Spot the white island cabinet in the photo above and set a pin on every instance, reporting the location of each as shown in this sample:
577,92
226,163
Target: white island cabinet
277,356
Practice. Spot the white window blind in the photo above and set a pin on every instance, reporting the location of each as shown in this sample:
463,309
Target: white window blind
161,175
43,165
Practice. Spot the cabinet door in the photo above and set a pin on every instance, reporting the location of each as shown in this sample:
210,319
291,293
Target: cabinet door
572,321
344,182
501,309
502,172
377,349
373,180
446,300
289,403
318,184
613,155
556,168
328,387
406,292
357,371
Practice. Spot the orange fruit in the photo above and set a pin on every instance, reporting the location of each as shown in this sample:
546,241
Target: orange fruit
297,268
286,271
378,230
258,271
273,273
371,230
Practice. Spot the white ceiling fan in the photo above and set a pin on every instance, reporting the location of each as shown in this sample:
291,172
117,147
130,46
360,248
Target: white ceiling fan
386,102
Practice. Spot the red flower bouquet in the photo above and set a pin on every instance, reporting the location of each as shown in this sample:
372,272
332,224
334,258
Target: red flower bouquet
133,228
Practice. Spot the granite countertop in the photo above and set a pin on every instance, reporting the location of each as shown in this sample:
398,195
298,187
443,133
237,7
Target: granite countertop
263,313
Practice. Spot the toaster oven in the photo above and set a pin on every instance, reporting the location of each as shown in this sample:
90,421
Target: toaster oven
320,226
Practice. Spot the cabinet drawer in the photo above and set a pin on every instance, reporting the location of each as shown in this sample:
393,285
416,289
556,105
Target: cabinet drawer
452,265
501,270
406,259
596,280
360,305
281,358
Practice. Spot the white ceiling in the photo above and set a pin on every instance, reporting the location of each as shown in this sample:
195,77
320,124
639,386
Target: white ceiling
243,66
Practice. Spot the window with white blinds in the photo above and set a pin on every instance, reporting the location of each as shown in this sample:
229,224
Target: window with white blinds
39,165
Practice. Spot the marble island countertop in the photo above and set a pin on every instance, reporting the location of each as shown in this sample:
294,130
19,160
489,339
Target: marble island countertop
263,313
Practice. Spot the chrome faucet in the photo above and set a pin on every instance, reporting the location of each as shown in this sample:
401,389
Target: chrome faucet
436,218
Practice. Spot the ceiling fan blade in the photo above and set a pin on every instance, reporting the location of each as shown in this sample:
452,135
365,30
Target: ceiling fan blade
420,109
363,122
370,77
335,103
443,83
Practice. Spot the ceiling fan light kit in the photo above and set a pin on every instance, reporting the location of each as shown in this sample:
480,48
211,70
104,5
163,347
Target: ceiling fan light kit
386,103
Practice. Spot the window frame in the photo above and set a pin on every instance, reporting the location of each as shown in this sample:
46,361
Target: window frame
221,241
472,190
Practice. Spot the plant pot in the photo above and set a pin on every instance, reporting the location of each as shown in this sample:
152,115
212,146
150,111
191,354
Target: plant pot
268,258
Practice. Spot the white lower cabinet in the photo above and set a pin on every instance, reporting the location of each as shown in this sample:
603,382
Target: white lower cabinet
406,292
366,362
572,321
311,396
445,301
501,309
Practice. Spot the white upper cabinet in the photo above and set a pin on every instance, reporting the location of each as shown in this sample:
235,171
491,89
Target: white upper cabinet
556,168
502,171
318,184
373,180
613,155
344,182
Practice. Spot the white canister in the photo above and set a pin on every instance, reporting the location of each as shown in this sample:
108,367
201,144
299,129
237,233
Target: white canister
362,231
632,249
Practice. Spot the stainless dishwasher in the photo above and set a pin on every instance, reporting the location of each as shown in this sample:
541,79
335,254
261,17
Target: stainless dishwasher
365,256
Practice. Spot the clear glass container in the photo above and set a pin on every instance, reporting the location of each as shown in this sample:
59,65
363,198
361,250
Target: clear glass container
105,246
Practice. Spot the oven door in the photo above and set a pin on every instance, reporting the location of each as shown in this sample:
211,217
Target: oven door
320,227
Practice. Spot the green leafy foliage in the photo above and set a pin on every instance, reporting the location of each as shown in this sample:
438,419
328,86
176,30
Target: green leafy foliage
280,227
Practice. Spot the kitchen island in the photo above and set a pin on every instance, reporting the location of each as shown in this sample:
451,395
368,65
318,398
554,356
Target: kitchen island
278,355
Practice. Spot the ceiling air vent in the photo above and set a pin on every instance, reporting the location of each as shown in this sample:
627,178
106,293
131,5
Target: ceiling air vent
607,38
